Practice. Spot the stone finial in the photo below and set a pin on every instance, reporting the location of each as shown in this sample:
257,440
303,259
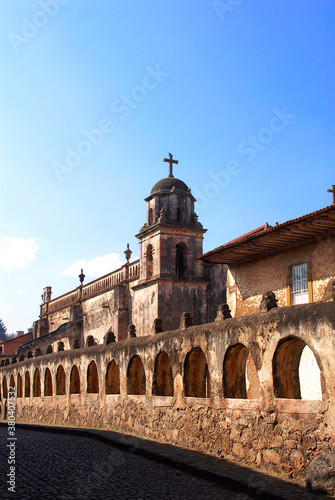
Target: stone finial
223,312
46,296
268,302
186,320
157,326
110,337
128,253
60,346
81,276
329,293
131,331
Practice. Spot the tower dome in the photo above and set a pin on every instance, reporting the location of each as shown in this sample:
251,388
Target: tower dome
169,184
170,202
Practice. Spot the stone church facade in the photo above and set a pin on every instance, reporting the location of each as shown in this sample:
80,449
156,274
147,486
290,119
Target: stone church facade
147,295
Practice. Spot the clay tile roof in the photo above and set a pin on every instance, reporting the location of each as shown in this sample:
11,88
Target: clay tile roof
266,239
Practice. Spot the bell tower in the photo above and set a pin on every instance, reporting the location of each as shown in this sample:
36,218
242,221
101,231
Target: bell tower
171,276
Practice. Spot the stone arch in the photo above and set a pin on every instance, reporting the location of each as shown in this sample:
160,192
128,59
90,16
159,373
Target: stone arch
4,388
27,385
19,386
136,382
149,262
37,384
285,368
60,381
240,378
196,375
38,352
30,354
49,349
74,380
12,382
47,383
21,358
92,378
163,378
181,252
112,378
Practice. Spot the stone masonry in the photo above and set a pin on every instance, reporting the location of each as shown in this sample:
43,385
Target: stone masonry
188,387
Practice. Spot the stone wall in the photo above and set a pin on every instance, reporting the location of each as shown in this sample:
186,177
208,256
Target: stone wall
278,431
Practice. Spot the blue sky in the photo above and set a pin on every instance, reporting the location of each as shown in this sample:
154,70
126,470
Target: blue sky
95,93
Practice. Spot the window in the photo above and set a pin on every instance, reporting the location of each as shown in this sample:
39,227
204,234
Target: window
136,383
296,373
112,378
299,284
149,262
163,379
180,261
196,376
92,378
151,216
74,381
240,378
299,289
180,214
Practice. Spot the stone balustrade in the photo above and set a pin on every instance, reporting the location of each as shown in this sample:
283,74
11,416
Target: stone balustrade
127,272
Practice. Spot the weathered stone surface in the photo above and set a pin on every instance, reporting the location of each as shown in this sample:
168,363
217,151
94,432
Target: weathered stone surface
329,294
276,442
320,473
279,435
290,443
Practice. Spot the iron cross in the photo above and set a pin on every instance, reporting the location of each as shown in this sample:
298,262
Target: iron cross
332,191
170,161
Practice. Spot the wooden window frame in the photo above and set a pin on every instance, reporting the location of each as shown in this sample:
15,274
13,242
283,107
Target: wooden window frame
306,259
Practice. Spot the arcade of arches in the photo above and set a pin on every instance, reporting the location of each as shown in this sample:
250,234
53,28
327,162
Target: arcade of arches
237,388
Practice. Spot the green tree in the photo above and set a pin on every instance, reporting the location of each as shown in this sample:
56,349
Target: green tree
3,330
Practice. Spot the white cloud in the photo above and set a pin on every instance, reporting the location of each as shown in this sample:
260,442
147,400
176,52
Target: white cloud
19,292
96,267
17,252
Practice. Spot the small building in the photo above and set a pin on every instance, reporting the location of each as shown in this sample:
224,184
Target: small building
295,260
8,348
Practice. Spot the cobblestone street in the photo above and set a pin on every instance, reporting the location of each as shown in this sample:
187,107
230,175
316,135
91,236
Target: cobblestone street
63,467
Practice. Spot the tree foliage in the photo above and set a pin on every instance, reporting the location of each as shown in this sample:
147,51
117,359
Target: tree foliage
3,330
